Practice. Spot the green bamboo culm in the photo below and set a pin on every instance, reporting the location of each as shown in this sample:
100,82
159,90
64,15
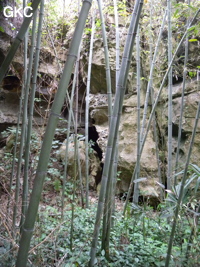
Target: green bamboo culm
109,206
114,126
106,52
69,123
28,226
17,41
150,92
24,96
117,66
31,103
169,141
150,80
151,35
117,42
136,186
120,91
76,142
108,199
14,157
75,151
87,104
182,189
185,71
156,138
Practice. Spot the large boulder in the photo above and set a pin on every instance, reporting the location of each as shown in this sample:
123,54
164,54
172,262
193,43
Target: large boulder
94,162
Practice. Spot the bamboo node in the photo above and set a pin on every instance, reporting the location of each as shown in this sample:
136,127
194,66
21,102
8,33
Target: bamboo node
28,230
55,114
72,55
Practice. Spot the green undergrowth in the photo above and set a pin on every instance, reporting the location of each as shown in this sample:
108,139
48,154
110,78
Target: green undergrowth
139,239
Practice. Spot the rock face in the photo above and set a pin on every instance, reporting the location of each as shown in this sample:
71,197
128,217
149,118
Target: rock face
127,140
191,100
94,162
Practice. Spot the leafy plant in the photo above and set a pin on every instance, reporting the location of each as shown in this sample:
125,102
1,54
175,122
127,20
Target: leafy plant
2,29
191,190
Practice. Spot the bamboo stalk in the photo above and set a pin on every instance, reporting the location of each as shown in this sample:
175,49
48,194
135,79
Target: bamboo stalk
152,95
70,118
87,106
106,52
115,163
136,186
14,157
182,101
114,126
169,157
182,189
75,148
107,206
31,104
150,80
117,42
25,94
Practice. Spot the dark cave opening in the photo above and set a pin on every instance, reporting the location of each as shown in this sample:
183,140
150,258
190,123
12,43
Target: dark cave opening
175,130
181,152
11,83
176,79
93,136
142,200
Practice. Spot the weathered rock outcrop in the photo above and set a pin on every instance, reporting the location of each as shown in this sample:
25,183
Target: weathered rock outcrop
191,99
94,162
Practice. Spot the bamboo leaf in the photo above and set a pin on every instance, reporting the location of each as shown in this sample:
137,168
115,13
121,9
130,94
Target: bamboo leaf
161,185
193,40
135,206
191,28
2,29
193,212
103,252
140,180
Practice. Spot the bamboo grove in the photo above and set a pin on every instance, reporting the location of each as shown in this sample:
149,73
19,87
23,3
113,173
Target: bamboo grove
22,216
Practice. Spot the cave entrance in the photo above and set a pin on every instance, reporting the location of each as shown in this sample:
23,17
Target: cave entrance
175,130
177,80
93,136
